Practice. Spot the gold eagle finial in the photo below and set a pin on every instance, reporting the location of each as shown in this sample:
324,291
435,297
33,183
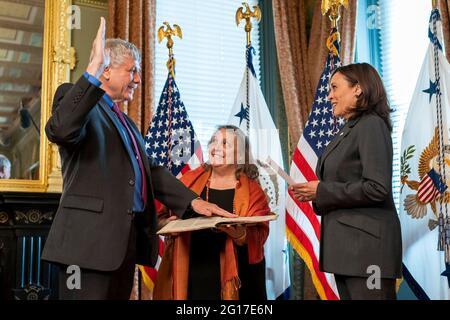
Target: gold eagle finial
333,7
247,15
169,33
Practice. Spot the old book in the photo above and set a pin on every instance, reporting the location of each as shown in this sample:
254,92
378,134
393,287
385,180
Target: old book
199,223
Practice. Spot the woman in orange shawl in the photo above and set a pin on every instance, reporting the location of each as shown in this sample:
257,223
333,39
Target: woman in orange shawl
226,263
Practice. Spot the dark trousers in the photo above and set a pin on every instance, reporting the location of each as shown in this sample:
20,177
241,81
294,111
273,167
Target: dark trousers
99,285
356,288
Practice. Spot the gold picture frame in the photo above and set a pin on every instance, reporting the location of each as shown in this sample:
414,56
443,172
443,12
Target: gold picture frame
57,59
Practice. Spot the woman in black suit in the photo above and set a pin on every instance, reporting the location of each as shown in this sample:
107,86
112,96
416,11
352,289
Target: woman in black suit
360,230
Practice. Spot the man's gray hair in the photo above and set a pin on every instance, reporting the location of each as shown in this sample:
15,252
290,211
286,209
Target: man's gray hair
119,48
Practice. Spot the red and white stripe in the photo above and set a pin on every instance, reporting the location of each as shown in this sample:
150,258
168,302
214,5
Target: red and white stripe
303,225
427,192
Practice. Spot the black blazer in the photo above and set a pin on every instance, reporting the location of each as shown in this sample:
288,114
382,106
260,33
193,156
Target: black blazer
92,225
359,226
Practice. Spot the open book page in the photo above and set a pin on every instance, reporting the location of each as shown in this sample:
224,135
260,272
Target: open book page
278,170
199,223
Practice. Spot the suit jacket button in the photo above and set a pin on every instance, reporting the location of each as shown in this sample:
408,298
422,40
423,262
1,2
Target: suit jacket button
131,182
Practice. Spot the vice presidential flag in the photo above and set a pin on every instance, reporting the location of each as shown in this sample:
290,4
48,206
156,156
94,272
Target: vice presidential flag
251,114
425,175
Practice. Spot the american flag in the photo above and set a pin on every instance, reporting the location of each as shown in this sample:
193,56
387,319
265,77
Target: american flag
302,224
170,142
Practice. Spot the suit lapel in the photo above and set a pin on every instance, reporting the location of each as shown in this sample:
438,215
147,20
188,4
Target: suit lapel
139,140
335,142
121,130
115,120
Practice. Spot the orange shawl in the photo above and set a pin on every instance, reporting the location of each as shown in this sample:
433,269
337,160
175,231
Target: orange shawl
172,278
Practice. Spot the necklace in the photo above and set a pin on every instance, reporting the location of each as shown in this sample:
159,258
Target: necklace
207,193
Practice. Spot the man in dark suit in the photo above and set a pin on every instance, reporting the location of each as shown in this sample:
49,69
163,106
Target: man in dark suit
106,221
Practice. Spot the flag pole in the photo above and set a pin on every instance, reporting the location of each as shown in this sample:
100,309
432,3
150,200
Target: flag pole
247,15
168,34
434,4
332,7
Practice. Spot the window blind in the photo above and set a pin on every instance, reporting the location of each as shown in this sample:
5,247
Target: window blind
404,40
210,59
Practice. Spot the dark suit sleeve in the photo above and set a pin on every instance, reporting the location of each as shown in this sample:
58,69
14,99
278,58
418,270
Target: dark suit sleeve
375,152
71,105
170,191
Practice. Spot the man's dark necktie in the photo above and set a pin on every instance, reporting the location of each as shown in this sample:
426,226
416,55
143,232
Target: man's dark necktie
136,151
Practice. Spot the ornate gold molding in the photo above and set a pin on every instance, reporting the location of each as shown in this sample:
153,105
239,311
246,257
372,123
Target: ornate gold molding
65,55
3,217
57,58
63,61
92,3
33,216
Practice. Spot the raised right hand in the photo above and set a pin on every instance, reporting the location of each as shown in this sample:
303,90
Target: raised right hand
99,58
